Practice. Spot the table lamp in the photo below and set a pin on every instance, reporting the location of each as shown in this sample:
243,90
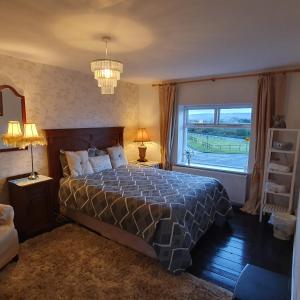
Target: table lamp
142,136
31,138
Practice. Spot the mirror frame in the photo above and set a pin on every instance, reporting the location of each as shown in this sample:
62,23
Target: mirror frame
22,99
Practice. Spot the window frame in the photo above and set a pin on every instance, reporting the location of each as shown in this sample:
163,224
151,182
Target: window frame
216,124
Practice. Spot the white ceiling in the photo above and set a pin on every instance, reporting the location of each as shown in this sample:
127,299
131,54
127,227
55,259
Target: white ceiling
156,39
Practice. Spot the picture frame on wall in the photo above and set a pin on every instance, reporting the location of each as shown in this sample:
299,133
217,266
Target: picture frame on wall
1,105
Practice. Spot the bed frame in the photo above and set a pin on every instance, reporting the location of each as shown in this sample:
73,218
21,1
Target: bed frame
74,140
81,139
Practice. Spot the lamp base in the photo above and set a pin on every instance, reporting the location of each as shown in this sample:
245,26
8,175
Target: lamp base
33,176
142,160
142,153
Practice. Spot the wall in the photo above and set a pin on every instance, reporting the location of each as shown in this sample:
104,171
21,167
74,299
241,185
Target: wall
59,98
229,91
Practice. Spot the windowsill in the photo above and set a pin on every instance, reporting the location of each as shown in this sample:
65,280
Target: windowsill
212,168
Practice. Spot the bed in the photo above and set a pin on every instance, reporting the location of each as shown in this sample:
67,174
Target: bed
159,213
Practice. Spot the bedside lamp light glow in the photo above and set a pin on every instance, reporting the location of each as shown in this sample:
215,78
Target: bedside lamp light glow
14,129
13,135
30,130
142,136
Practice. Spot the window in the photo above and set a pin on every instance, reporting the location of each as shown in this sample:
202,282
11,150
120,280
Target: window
217,137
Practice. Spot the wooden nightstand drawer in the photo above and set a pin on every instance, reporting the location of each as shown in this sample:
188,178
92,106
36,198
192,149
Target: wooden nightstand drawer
33,205
37,192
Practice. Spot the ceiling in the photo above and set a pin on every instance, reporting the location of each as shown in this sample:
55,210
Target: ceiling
156,39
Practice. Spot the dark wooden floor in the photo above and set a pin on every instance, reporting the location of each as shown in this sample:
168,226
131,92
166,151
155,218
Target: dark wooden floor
221,254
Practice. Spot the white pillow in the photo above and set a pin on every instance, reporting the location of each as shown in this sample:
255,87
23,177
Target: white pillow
78,163
100,163
117,156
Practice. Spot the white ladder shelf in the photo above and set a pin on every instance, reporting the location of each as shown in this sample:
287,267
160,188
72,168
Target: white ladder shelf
270,200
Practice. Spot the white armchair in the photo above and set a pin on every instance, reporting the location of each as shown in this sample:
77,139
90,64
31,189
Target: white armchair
9,243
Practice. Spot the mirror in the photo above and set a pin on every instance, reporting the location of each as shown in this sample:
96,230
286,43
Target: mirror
12,108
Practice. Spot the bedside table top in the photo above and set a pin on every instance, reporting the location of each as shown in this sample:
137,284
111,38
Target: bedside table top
25,181
149,163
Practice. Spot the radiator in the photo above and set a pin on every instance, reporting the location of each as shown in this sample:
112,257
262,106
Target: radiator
234,183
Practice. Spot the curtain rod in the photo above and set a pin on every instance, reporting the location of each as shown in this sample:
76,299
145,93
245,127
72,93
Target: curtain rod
228,77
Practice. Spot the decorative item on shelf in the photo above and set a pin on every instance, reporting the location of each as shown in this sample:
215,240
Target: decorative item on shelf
31,138
279,167
14,135
106,71
282,145
279,122
142,137
272,186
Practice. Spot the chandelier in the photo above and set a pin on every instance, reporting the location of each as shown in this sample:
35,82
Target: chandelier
107,72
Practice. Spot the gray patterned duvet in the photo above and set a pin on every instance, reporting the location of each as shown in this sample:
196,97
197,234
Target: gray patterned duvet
169,210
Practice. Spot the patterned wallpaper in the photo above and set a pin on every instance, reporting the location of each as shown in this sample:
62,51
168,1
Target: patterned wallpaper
60,98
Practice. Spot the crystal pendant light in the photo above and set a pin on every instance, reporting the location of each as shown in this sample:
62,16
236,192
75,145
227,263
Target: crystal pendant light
107,72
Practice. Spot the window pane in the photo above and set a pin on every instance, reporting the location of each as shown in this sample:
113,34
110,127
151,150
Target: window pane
216,146
201,116
235,116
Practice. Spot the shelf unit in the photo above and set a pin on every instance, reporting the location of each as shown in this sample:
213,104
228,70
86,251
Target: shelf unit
279,194
267,205
281,173
282,151
269,208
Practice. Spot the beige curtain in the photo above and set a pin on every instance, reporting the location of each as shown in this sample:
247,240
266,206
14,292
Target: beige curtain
168,108
270,103
1,105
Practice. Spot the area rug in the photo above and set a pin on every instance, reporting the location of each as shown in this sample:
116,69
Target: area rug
72,262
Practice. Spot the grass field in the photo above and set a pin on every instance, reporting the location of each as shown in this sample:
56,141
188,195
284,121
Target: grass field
217,144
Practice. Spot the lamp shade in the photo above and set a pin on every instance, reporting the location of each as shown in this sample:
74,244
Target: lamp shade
107,71
13,135
31,136
30,130
142,135
14,129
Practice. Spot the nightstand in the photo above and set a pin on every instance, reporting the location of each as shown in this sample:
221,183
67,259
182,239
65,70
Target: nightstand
33,203
153,164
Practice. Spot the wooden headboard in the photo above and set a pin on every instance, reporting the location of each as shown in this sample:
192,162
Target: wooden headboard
77,139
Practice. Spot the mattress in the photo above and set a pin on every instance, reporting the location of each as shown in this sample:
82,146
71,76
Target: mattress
169,210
